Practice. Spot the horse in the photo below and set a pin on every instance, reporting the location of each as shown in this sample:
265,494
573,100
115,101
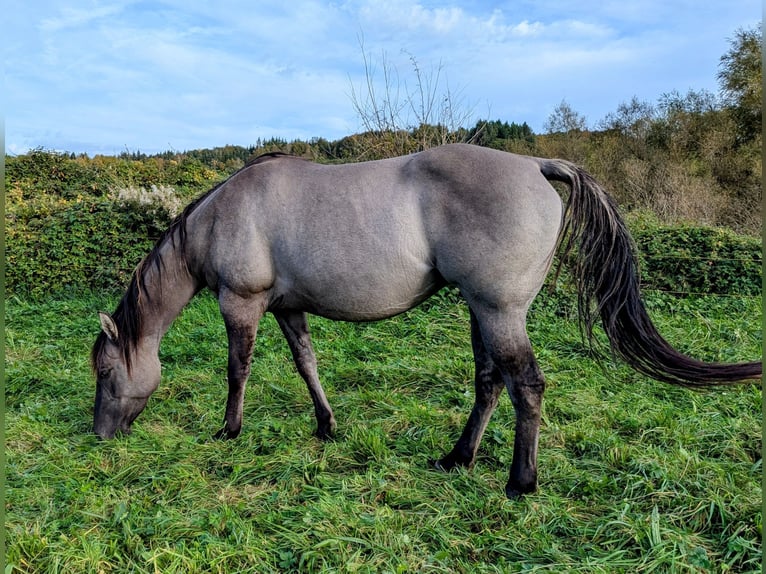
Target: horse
367,241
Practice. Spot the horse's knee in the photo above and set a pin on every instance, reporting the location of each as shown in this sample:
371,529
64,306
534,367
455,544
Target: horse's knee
524,395
526,384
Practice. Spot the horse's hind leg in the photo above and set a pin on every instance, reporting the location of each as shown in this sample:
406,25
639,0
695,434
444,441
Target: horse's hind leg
504,335
488,384
296,330
241,316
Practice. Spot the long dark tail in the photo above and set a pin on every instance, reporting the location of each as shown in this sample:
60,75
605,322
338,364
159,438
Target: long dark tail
608,285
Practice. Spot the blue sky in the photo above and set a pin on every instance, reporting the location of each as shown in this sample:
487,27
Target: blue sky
106,76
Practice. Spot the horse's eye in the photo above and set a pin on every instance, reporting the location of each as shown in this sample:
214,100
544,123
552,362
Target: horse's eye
104,374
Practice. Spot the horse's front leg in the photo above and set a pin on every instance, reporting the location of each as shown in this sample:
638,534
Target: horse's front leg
295,327
241,316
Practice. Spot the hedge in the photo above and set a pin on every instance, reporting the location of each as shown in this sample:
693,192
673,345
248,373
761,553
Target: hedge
96,243
79,223
84,245
691,259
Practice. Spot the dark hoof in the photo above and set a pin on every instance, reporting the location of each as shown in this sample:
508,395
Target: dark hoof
325,435
326,431
516,492
226,434
448,464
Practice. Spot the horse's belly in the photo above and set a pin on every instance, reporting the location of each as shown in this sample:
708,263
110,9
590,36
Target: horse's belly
356,296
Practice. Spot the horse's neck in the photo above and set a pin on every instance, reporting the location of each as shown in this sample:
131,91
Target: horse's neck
169,287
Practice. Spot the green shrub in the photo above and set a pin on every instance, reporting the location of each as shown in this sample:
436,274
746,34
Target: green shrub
82,223
41,173
78,223
687,258
91,244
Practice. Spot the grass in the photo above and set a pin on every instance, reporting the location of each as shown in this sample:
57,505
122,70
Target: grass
635,475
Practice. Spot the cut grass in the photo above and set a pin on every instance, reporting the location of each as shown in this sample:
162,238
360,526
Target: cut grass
635,475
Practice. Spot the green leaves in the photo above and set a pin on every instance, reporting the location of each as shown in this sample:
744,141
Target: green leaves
692,259
79,223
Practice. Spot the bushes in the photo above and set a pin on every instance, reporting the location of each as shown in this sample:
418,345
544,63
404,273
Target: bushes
71,223
93,244
688,258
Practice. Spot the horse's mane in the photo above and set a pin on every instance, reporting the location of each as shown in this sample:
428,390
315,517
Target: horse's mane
128,315
268,156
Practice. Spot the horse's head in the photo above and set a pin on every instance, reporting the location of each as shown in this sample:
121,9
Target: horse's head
125,378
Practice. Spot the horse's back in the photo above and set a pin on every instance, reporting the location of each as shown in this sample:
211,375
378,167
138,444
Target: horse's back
368,240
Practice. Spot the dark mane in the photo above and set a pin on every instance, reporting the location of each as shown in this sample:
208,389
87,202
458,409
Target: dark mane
268,156
128,315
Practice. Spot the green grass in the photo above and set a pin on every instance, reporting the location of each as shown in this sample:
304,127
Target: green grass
635,475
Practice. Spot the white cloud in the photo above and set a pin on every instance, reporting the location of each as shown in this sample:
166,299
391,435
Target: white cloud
185,71
526,29
78,17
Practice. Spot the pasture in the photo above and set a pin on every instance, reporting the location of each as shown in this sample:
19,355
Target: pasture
635,475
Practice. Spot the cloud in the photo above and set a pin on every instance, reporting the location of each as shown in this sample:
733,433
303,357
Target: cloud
78,17
197,74
527,29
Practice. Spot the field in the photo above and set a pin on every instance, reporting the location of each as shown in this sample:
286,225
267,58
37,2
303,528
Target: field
635,475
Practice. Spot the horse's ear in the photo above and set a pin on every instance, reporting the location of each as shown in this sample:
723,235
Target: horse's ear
108,326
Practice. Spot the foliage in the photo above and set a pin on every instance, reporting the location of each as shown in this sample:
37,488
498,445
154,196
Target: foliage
740,75
498,135
39,173
67,227
75,223
679,159
693,259
75,245
565,119
635,476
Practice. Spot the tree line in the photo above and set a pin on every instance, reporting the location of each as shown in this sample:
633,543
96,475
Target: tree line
692,159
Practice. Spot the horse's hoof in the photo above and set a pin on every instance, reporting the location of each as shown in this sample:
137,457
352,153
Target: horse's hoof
515,492
226,434
443,465
451,461
325,435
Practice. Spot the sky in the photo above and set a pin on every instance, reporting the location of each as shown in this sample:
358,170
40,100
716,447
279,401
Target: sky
104,77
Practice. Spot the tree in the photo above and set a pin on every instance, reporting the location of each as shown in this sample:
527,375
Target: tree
632,119
567,134
740,78
497,134
565,119
400,117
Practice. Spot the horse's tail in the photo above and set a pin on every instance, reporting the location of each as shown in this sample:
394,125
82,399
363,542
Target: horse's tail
606,273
